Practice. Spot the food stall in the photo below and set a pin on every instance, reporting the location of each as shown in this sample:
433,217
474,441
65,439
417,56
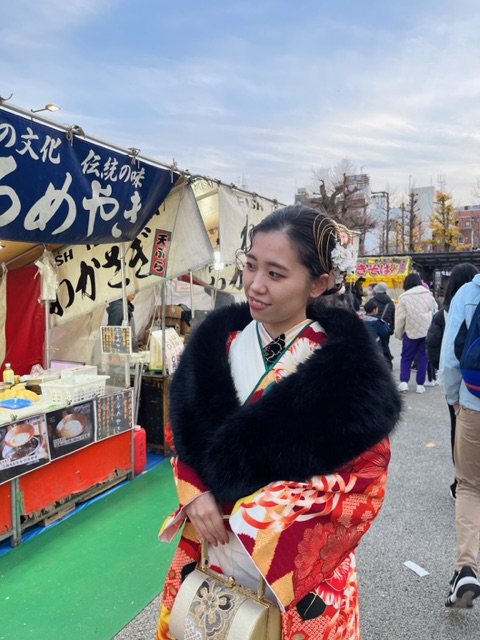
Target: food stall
76,438
116,224
389,269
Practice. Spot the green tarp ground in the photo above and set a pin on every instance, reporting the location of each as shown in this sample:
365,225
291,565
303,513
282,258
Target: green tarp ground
87,577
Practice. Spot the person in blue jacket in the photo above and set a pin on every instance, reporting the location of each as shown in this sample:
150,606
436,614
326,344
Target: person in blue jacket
460,275
464,586
377,328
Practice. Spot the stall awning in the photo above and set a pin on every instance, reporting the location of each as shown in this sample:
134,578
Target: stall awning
59,187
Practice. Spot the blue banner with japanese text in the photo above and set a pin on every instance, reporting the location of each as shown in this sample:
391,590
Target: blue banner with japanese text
64,189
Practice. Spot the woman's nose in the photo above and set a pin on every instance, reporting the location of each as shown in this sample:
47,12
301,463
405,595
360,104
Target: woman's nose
258,282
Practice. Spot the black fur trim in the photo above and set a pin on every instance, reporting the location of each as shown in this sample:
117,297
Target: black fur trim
339,403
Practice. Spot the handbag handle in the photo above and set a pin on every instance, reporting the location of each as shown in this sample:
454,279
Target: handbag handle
204,564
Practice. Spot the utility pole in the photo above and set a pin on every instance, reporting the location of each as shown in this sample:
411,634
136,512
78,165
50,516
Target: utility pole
403,228
412,217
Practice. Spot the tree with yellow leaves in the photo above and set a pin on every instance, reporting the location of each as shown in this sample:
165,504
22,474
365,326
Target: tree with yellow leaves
444,223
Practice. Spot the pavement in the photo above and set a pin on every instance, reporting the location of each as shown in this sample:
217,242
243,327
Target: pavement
416,525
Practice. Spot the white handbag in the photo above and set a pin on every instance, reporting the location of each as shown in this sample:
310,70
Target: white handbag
209,606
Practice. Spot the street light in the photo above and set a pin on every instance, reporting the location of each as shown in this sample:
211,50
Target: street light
385,195
48,107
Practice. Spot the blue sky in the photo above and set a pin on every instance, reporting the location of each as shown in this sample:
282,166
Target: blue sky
261,92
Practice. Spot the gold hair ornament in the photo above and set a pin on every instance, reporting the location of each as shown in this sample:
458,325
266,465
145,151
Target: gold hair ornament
341,261
342,256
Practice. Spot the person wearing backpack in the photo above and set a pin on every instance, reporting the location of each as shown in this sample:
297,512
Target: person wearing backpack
386,311
377,328
460,275
464,586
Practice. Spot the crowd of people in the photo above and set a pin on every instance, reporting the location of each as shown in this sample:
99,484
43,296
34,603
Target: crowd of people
278,470
432,340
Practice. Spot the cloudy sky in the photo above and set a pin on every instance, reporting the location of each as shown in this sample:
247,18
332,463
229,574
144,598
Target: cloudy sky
262,92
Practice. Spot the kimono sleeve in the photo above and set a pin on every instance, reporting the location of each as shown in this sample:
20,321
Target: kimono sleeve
301,535
189,486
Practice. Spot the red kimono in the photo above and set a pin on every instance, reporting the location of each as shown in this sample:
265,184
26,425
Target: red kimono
301,535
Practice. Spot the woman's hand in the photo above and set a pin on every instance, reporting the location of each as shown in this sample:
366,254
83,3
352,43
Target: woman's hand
205,515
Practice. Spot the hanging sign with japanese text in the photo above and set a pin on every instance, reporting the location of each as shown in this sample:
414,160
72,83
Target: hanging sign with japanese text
382,267
61,188
114,414
161,247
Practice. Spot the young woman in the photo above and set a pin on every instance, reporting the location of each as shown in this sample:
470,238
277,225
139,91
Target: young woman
460,275
415,309
280,415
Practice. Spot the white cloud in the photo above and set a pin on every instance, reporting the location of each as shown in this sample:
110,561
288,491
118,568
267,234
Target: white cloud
261,89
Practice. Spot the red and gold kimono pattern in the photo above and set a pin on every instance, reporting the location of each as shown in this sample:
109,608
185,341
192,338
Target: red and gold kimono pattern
301,535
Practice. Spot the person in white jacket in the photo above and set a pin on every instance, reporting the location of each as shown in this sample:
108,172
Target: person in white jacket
413,317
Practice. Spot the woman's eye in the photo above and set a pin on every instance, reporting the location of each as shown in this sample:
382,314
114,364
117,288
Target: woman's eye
249,265
274,274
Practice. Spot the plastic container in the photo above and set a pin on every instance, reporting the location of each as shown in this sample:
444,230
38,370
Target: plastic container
87,370
8,374
73,390
15,403
139,449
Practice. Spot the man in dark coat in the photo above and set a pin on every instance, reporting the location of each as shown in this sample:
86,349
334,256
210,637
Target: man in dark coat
115,316
386,311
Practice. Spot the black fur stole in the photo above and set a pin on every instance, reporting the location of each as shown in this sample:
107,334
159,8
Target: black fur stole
339,403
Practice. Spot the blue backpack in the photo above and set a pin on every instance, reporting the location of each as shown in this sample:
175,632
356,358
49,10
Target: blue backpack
470,358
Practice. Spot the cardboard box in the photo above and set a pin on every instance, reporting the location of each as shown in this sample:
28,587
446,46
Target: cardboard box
171,311
184,327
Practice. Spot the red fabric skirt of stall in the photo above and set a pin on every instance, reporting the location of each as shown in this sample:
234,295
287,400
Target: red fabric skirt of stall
25,324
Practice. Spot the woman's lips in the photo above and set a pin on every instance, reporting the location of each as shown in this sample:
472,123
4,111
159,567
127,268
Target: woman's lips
258,305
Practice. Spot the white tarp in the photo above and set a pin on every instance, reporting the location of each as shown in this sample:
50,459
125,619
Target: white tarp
86,328
237,212
190,247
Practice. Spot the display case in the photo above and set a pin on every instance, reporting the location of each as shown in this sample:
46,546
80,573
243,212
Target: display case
56,458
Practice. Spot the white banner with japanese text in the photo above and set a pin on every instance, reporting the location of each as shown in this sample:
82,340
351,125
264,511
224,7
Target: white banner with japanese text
90,275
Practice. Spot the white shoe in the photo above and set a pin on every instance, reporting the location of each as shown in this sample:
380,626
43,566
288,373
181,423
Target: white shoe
420,388
429,384
436,383
403,386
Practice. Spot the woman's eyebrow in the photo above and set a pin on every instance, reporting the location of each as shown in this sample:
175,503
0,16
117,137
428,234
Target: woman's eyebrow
272,263
277,265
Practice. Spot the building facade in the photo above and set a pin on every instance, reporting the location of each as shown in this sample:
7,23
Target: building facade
469,226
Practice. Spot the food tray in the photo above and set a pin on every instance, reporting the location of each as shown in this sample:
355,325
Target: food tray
73,391
15,403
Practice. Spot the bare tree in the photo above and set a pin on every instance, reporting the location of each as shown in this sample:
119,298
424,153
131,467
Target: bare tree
337,192
332,176
476,190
